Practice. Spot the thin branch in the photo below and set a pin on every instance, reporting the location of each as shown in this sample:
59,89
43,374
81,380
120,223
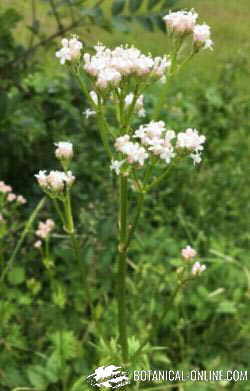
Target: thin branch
45,41
56,15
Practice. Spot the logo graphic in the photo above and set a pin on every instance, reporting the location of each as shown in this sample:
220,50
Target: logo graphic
109,377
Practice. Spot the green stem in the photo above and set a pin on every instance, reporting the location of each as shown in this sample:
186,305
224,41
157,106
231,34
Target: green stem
58,210
158,180
122,270
136,219
69,223
103,128
27,227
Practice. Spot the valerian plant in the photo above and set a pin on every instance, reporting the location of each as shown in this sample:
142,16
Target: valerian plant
114,81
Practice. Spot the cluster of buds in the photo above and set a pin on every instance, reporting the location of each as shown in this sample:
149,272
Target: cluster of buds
109,67
55,181
157,140
5,188
188,253
43,231
71,49
10,196
183,23
64,153
139,104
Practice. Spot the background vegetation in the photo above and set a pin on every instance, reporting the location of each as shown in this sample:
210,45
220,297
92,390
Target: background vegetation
46,338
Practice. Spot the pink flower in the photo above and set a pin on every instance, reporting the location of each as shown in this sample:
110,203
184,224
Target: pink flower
197,268
188,252
5,188
64,150
201,36
38,244
11,197
45,228
181,21
21,200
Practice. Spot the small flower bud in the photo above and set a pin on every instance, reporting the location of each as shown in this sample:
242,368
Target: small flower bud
64,150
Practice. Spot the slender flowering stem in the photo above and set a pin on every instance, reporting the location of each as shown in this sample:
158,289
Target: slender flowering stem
122,267
136,219
58,210
158,180
27,227
103,128
69,223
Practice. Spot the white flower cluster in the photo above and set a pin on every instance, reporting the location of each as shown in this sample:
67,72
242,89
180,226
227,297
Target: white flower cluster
134,151
64,150
155,138
71,49
197,268
184,22
55,180
189,253
6,189
192,141
44,229
139,104
181,21
201,36
110,66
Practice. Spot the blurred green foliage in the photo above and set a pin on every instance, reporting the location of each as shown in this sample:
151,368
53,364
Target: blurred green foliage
46,339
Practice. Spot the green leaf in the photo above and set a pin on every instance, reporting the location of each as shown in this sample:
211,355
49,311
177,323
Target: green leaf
153,3
226,307
37,377
16,276
118,6
134,5
121,23
146,22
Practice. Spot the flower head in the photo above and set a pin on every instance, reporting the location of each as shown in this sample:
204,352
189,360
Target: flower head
188,252
38,244
116,166
134,151
5,188
181,21
11,197
89,113
64,150
110,66
201,36
44,229
55,181
197,268
138,104
192,141
71,49
21,200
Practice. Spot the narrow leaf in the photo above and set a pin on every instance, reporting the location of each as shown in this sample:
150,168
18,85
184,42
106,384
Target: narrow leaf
118,6
153,3
134,5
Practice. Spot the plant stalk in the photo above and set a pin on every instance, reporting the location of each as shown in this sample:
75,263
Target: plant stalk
122,267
